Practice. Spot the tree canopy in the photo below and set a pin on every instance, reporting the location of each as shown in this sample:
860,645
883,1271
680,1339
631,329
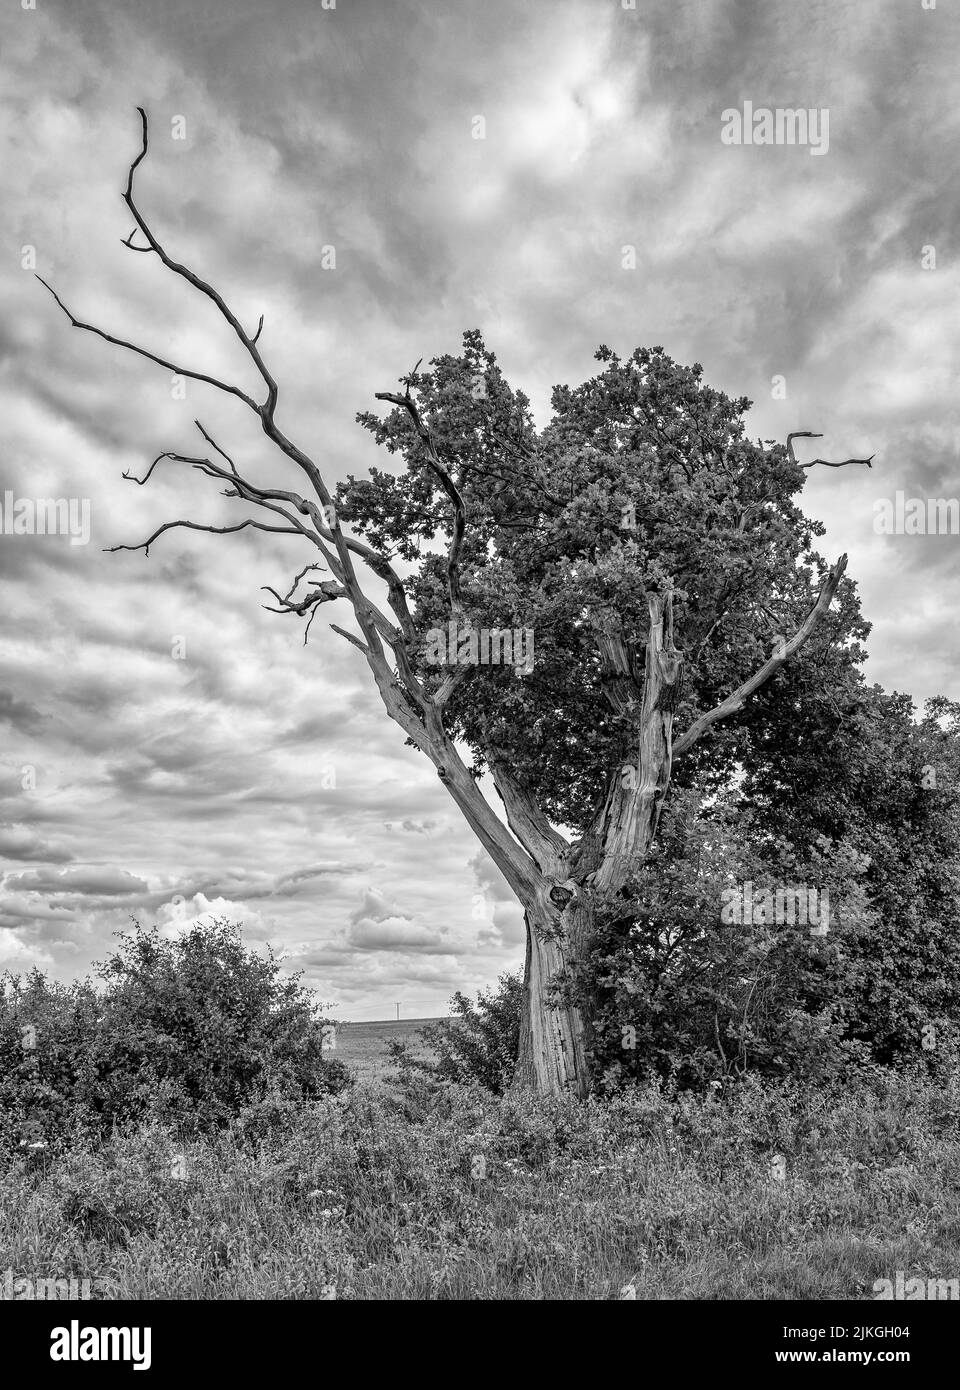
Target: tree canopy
644,479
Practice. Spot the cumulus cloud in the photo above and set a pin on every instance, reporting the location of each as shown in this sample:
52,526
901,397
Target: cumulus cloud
180,914
394,934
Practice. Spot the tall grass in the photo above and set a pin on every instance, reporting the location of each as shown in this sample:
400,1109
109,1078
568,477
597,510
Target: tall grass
421,1190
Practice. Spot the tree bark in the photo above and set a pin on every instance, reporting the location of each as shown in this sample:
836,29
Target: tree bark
554,1036
631,815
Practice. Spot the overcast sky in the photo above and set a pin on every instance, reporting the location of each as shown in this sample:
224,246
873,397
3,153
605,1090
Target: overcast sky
259,779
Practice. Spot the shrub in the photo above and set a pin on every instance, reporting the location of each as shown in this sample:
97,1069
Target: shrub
189,1031
676,987
479,1045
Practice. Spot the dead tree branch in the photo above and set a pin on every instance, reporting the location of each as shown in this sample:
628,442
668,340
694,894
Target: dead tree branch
151,356
809,434
402,694
196,526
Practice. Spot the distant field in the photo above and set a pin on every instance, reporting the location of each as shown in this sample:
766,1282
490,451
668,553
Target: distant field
363,1046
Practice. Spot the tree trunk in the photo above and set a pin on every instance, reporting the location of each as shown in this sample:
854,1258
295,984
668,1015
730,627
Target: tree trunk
554,1037
629,821
553,1034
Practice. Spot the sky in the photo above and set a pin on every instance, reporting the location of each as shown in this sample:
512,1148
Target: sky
551,173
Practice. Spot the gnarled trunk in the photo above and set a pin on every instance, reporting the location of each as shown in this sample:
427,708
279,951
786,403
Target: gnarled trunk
554,1037
553,1033
559,911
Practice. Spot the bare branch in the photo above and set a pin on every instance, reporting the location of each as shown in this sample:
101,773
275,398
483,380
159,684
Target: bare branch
239,487
545,845
140,482
214,295
350,638
214,445
268,498
328,592
364,610
196,526
424,729
809,434
396,593
128,243
306,570
151,356
379,564
735,702
797,434
450,684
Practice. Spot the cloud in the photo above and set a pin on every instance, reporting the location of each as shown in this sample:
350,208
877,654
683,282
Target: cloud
376,907
186,736
394,934
180,914
21,842
18,954
97,881
19,714
414,827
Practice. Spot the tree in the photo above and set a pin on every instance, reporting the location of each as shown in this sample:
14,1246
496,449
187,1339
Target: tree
874,774
653,554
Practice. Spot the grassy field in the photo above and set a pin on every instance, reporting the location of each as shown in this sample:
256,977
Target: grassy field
411,1190
364,1046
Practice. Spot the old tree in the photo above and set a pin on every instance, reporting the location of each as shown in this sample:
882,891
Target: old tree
656,554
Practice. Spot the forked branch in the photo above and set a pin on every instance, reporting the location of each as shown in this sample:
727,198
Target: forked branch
250,344
809,434
735,702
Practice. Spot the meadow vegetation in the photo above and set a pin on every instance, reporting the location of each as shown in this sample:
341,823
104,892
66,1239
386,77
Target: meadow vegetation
302,1179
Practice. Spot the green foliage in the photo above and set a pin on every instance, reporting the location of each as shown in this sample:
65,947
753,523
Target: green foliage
673,989
644,479
875,776
189,1030
479,1045
677,986
708,512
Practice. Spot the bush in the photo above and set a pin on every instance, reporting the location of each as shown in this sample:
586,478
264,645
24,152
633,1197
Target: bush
190,1031
678,989
479,1045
